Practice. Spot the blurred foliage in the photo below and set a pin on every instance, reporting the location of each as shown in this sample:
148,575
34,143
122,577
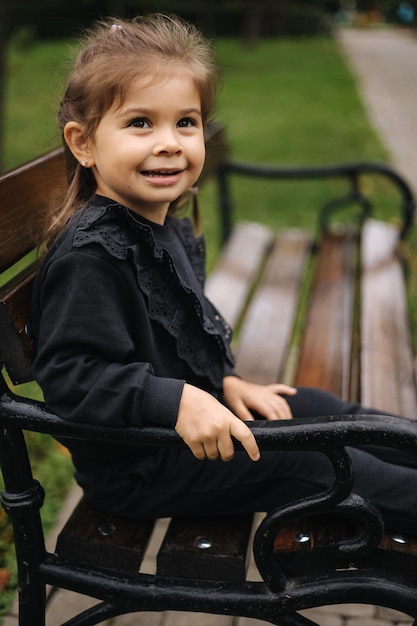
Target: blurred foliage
59,18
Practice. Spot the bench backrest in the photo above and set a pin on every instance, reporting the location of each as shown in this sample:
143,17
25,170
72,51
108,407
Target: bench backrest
26,196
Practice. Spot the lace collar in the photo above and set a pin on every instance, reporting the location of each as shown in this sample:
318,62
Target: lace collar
201,333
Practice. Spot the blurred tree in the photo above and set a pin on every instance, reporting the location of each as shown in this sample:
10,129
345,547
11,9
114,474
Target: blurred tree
255,13
117,8
252,18
274,18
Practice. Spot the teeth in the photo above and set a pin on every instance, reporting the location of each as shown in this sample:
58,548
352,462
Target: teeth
160,173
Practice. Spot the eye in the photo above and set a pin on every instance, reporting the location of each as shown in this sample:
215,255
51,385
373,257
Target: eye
139,122
186,122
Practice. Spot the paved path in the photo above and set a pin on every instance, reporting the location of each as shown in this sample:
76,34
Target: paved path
385,63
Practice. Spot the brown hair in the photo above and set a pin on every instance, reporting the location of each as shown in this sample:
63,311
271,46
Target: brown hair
112,54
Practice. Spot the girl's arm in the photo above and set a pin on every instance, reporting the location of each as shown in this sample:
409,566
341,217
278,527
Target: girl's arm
83,315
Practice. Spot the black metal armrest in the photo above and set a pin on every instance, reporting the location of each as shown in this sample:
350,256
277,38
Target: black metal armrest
352,172
318,433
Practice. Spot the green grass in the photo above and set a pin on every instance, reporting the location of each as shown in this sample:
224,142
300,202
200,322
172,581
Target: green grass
293,101
35,78
286,101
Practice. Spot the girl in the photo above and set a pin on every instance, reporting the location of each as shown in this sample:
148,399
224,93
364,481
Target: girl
125,335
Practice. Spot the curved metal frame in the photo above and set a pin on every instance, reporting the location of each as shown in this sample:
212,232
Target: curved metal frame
276,600
349,171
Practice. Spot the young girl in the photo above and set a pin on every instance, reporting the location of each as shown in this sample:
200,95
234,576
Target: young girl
125,335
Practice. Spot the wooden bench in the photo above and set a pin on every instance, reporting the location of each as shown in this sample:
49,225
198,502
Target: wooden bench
330,312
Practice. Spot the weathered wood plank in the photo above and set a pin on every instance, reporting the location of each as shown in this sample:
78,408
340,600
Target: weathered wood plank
265,336
325,354
228,286
387,367
100,539
26,194
212,548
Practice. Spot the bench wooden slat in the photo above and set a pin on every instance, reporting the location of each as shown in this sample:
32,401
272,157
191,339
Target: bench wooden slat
214,548
326,348
268,325
228,287
230,282
99,539
25,195
387,365
324,361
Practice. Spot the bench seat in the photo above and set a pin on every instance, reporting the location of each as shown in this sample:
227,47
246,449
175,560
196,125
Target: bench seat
217,548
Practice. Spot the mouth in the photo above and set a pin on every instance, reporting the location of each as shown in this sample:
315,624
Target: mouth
160,173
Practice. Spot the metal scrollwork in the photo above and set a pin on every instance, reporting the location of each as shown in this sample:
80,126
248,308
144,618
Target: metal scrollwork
340,552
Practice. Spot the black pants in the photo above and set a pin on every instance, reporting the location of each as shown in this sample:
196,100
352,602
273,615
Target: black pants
182,485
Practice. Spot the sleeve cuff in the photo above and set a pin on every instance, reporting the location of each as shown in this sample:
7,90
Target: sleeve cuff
162,400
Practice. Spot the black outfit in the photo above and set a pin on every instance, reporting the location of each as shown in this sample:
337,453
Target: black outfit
121,324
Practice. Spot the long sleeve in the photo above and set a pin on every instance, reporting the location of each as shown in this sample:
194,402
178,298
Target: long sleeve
88,362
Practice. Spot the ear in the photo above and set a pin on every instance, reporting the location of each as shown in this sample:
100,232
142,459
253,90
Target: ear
78,143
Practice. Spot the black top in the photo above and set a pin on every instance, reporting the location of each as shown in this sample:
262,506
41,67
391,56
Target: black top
121,322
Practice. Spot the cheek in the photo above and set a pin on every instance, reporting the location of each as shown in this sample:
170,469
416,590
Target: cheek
200,154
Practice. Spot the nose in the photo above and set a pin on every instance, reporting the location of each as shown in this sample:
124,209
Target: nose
167,142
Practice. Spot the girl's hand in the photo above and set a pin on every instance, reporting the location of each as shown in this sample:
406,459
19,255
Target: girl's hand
207,427
242,397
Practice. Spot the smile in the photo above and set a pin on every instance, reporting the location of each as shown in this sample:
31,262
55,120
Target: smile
160,173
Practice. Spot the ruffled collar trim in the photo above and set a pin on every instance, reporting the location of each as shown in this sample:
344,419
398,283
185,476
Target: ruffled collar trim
202,335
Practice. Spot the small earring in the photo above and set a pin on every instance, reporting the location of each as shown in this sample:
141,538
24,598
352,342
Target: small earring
84,163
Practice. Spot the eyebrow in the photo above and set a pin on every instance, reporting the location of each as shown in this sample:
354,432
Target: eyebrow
143,111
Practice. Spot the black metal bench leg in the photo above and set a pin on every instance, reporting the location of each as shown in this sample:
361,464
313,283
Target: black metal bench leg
22,499
32,605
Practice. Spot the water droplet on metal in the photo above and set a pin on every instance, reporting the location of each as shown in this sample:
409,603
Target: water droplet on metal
106,529
203,543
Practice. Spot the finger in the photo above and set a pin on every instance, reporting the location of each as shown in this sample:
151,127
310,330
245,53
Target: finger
226,448
198,451
284,412
242,412
280,388
242,433
211,450
284,409
278,410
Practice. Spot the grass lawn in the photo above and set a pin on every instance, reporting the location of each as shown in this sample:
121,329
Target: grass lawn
286,101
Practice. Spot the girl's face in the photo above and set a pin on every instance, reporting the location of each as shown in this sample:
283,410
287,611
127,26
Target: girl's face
150,150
